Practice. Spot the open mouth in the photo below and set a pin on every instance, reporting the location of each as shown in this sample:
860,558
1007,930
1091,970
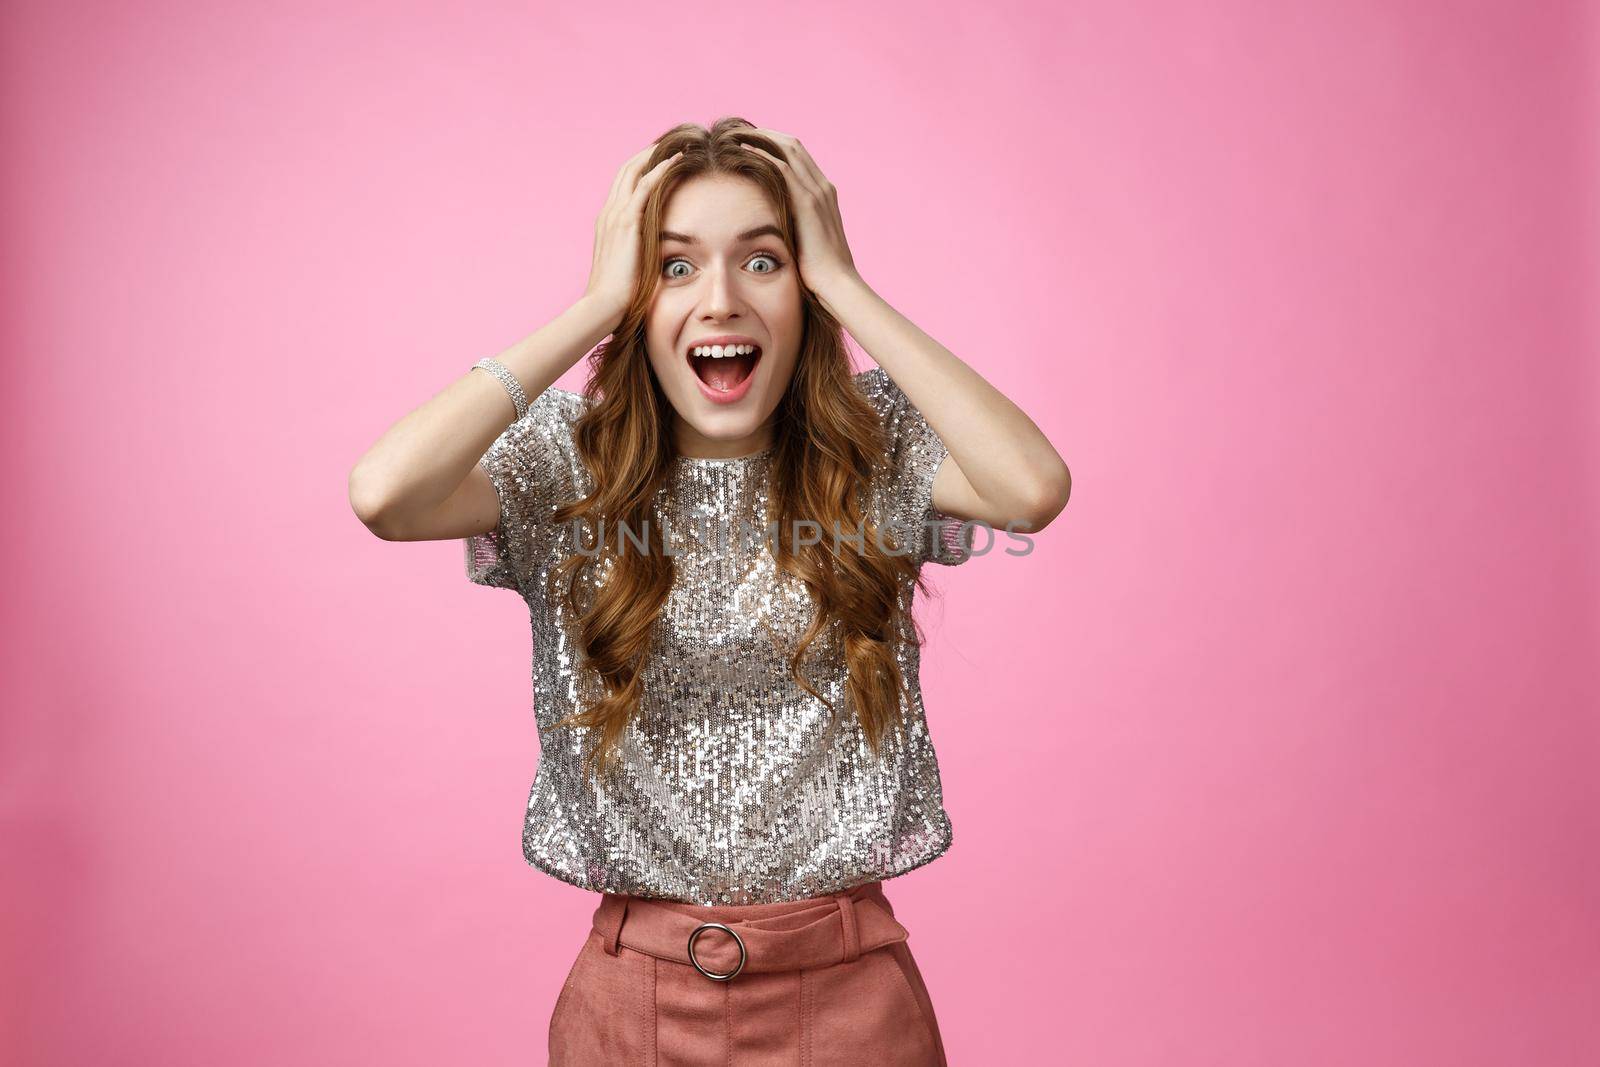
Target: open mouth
726,372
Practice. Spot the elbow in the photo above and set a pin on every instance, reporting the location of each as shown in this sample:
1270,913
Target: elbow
1048,499
370,501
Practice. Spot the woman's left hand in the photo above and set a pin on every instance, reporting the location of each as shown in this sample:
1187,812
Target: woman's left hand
820,245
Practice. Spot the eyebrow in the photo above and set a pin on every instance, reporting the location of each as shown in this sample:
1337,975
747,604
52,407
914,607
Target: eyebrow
748,235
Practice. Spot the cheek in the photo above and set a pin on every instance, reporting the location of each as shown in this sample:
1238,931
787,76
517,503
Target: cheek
664,321
786,317
669,310
660,354
779,305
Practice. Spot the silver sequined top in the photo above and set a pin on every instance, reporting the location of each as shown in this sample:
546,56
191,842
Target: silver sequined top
731,790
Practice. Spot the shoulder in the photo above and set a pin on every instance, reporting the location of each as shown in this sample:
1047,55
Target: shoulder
880,391
542,436
562,405
551,416
874,381
894,409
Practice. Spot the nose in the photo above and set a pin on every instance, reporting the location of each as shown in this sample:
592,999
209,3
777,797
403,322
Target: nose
721,293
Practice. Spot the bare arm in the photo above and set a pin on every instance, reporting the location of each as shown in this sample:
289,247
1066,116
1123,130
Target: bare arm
421,480
1001,468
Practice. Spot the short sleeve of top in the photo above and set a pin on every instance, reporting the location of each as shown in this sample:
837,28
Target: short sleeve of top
914,458
531,466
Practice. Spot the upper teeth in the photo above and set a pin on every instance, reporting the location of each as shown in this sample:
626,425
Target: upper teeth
721,351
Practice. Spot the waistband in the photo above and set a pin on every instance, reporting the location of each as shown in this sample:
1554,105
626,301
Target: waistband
784,936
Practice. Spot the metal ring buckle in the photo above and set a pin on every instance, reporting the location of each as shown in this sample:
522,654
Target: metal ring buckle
702,928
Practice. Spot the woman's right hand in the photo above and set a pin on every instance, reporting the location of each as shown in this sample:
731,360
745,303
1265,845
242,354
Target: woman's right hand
616,234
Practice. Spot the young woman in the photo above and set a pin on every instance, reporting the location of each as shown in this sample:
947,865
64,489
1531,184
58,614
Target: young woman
719,541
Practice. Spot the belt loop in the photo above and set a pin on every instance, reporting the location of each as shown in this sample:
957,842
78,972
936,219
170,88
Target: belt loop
852,934
608,920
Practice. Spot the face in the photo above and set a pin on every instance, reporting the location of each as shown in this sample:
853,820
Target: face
715,281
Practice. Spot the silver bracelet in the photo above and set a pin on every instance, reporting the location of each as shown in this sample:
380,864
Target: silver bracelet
507,379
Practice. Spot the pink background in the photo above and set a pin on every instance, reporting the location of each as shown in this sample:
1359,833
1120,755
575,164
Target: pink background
1280,749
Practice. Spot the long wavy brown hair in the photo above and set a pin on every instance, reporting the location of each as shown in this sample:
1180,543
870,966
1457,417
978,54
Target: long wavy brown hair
827,443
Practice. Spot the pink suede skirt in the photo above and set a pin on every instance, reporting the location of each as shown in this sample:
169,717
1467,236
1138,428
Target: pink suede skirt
826,980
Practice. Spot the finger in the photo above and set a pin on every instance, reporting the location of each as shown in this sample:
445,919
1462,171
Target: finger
622,187
635,166
652,179
622,171
801,182
811,176
644,182
801,160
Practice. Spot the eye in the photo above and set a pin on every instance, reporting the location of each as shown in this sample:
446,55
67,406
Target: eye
666,266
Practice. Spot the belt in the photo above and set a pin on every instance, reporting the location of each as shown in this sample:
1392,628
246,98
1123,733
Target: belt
722,942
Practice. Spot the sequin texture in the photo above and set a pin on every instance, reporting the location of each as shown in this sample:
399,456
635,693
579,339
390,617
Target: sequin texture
733,784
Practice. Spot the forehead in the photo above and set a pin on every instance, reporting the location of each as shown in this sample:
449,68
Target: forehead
716,208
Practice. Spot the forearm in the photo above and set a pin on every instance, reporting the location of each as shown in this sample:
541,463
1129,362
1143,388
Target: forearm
425,456
1007,459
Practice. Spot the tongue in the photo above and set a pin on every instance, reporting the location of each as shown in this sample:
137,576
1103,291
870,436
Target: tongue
726,373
